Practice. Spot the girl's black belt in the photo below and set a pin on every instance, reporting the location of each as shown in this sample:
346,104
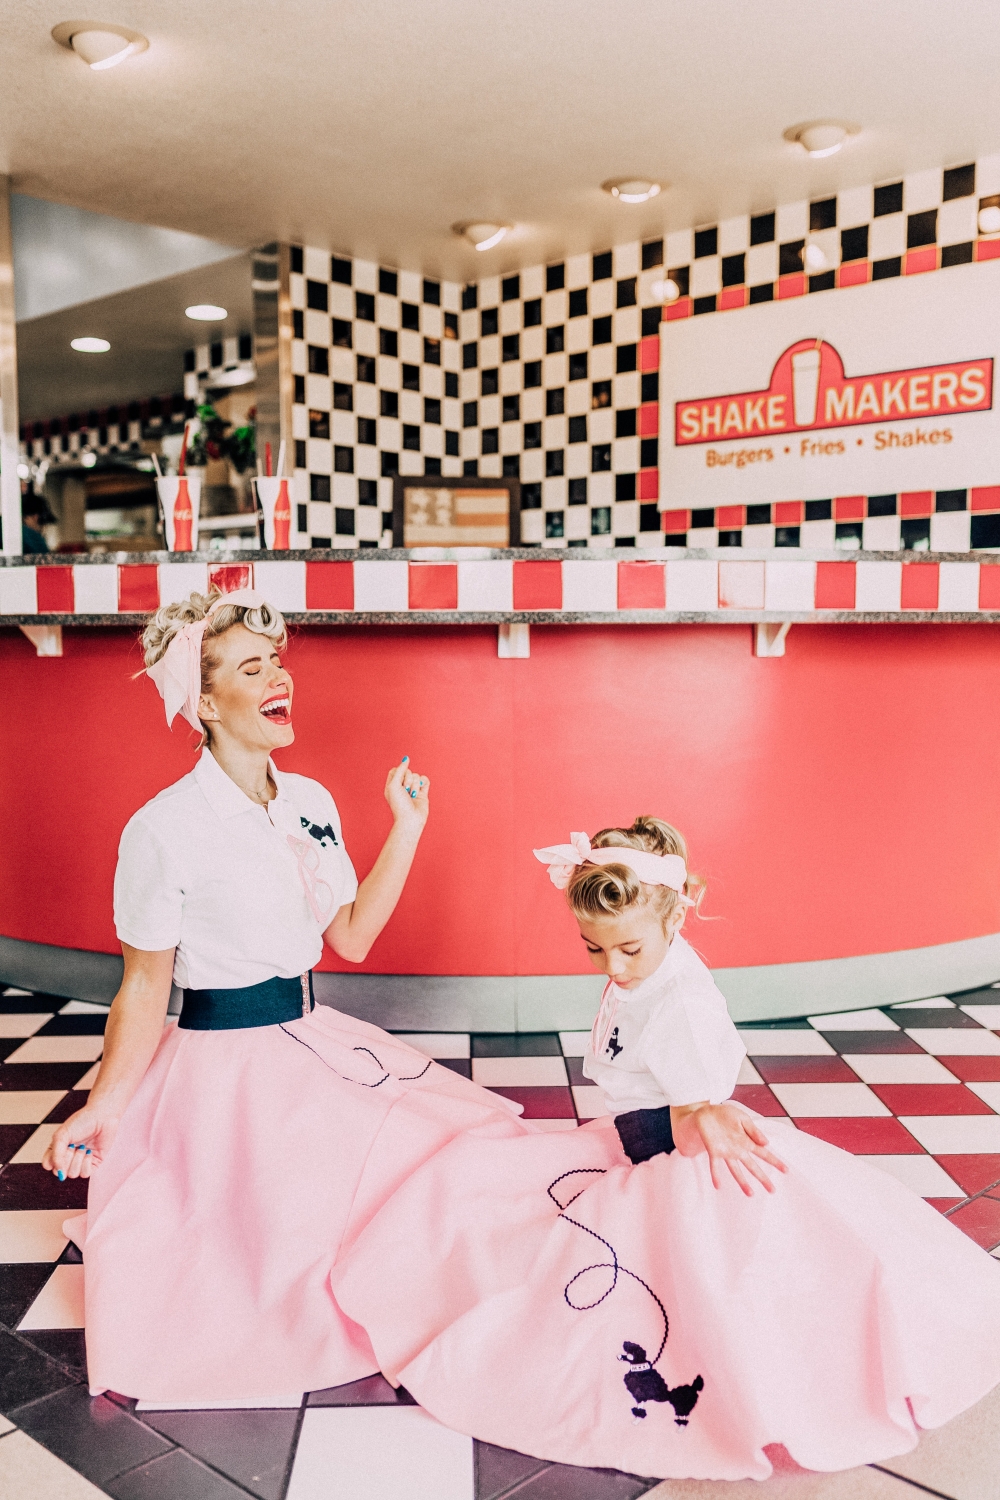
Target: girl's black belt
266,1004
645,1133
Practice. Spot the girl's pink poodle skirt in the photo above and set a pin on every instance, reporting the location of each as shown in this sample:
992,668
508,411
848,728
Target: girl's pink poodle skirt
534,1290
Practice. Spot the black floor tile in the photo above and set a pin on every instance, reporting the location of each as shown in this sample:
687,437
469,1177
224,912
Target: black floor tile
574,1067
178,1476
30,1186
93,1435
68,1105
799,1024
28,1005
19,1286
41,1075
498,1470
71,1256
871,1041
67,1346
918,1018
564,1482
12,1138
74,1026
252,1447
988,996
9,1044
25,1374
460,1065
375,1390
517,1044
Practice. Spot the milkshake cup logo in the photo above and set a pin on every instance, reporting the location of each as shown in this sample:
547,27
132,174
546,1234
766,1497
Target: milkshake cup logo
805,385
276,507
180,497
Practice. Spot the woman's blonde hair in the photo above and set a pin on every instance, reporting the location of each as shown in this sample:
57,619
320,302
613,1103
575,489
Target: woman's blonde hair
609,890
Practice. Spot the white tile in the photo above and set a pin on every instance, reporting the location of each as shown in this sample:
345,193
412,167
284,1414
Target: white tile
955,1041
678,248
83,1008
692,584
887,236
10,990
574,1043
898,1067
794,1042
949,1135
380,1453
986,1015
17,592
382,585
932,1002
518,1072
178,580
988,1092
854,206
283,584
35,1146
878,584
437,1043
96,589
27,1025
921,1174
486,585
854,1020
28,1234
957,221
748,1073
546,1125
816,1100
53,1049
922,190
89,1078
762,264
734,234
28,1106
791,222
958,582
30,1472
60,1302
286,1401
589,1102
789,585
706,276
590,586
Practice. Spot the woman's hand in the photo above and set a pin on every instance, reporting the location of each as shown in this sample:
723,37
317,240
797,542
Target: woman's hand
80,1144
732,1139
408,796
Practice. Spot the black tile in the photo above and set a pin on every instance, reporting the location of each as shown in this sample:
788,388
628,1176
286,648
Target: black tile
787,536
374,1390
703,305
578,303
681,277
988,996
887,199
650,321
758,515
470,296
565,1482
625,358
871,1041
12,1138
733,273
510,288
915,534
460,1065
824,282
252,1447
316,295
921,229
67,1346
71,1256
762,229
652,254
915,1019
706,242
985,533
19,1286
340,272
881,505
30,1005
432,292
555,278
25,1374
601,330
790,257
601,266
498,1470
30,1186
959,182
797,1024
516,1044
177,1476
574,1067
956,255
951,500
388,283
93,1435
762,293
823,214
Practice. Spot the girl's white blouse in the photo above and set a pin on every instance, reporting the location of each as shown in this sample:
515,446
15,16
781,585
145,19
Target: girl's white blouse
204,870
671,1039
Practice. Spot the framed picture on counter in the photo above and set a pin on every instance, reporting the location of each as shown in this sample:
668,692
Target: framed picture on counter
431,511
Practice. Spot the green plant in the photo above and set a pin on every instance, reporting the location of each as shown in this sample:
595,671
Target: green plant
214,437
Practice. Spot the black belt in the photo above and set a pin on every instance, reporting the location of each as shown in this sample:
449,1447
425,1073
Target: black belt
645,1133
266,1004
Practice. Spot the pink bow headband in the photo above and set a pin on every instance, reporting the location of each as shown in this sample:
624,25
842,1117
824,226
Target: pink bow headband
177,674
651,869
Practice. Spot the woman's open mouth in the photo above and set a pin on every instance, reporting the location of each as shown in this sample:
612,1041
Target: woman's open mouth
277,710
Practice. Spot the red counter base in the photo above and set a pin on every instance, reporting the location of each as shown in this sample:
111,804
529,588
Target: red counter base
840,801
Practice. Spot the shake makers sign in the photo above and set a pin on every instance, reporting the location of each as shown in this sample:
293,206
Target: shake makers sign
868,390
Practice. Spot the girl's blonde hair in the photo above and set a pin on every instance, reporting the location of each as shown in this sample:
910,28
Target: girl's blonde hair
609,890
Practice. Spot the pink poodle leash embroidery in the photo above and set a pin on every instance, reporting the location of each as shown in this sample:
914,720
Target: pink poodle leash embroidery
307,857
643,1381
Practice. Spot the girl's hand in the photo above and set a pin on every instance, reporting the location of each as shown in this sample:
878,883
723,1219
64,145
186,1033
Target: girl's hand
732,1139
80,1143
408,795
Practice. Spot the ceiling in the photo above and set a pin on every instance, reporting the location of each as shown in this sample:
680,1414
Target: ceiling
371,127
148,333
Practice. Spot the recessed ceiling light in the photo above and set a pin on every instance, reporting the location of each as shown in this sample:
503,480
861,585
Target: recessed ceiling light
206,312
90,346
632,189
666,290
99,44
821,137
482,235
89,460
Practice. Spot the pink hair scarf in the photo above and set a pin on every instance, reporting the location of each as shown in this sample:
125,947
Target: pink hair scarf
177,674
651,869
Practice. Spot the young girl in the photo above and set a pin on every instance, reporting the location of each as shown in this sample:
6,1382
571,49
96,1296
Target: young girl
599,1297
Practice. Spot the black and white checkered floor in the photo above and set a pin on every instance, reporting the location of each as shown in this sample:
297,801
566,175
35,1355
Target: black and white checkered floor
915,1089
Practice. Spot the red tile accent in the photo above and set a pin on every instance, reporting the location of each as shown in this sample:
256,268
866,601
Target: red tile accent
791,286
649,484
865,1136
679,309
987,249
231,576
919,589
329,585
835,585
980,1220
649,419
974,1070
972,1172
730,517
915,262
943,1205
789,512
930,1099
676,520
855,273
649,352
641,585
538,585
804,1070
56,595
989,587
433,585
916,503
732,296
849,508
758,1096
552,1103
985,497
138,586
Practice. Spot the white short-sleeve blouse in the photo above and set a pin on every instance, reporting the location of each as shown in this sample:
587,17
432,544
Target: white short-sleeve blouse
204,870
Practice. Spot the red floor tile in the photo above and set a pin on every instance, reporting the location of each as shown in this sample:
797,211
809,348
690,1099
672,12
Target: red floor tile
864,1136
930,1099
759,1097
941,1204
541,1103
972,1173
980,1220
973,1069
804,1070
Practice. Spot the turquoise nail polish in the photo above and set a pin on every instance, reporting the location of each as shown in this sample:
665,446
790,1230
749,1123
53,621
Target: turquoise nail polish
88,1150
61,1176
405,759
72,1145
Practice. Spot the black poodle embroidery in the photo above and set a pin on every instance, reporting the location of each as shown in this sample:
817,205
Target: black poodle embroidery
321,834
613,1045
643,1381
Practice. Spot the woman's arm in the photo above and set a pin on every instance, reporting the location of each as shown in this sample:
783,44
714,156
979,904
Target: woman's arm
356,926
731,1137
133,1032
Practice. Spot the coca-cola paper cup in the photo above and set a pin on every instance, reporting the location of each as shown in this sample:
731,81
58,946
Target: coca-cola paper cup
274,497
180,497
